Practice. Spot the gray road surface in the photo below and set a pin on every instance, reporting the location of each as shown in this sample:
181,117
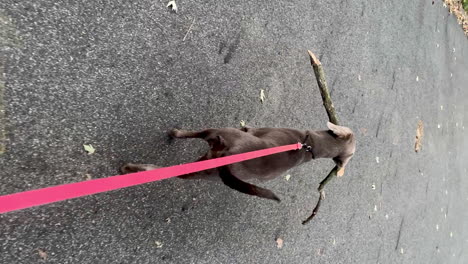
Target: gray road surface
118,75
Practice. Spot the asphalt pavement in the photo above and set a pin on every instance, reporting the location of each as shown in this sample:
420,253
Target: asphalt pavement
120,74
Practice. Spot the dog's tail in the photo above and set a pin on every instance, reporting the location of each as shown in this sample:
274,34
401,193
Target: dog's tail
245,187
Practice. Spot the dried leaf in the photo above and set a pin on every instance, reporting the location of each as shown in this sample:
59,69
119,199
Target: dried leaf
279,243
262,95
172,5
287,177
242,123
88,176
42,254
158,244
419,136
89,148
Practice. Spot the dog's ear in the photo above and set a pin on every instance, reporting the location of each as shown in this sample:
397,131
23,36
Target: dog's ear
340,131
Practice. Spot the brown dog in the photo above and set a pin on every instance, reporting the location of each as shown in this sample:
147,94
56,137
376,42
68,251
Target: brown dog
337,143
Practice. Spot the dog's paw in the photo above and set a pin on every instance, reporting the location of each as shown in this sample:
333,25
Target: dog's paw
131,168
175,133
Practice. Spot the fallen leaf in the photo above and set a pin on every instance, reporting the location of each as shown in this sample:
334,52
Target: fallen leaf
168,220
419,136
359,77
172,5
158,244
373,186
88,176
262,95
287,177
375,208
377,159
242,123
402,251
89,148
279,243
42,254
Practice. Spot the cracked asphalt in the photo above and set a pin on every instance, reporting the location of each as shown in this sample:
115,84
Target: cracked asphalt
119,75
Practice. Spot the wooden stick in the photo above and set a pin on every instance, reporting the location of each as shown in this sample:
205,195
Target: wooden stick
322,84
330,175
328,104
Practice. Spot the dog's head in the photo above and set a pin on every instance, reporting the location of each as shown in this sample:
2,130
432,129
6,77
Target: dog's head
347,144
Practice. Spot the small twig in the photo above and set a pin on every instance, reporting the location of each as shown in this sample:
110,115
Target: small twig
328,104
188,31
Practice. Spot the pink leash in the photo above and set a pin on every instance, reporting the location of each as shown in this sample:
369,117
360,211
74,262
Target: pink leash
21,200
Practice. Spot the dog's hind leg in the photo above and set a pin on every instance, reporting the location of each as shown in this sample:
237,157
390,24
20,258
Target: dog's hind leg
178,133
131,168
245,187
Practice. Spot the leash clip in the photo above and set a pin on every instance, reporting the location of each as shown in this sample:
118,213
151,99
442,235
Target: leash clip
307,147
